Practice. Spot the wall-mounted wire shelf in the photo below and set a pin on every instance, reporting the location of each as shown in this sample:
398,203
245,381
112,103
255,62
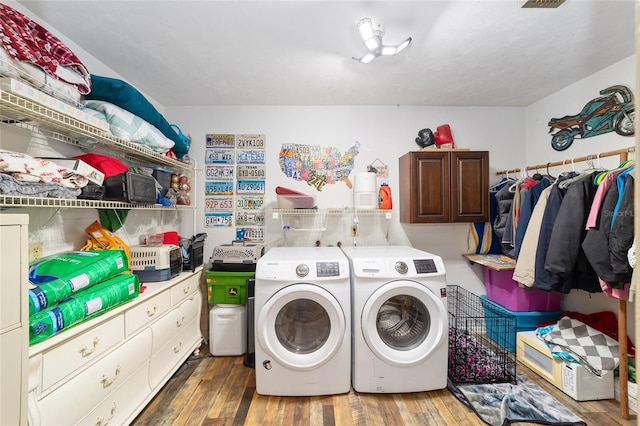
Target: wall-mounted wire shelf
275,213
30,115
16,201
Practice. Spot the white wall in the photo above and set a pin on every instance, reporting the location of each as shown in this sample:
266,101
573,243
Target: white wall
385,133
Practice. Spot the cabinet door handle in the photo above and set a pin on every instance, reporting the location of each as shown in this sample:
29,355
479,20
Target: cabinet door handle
106,382
105,422
179,322
186,288
152,312
86,352
176,349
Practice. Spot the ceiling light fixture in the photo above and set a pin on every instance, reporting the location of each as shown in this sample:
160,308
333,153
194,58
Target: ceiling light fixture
372,37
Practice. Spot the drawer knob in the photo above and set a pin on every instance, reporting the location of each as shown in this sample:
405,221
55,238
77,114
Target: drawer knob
152,312
104,422
106,381
186,288
176,349
179,322
84,351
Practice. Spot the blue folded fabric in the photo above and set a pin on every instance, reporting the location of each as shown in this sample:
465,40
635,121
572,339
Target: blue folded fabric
125,96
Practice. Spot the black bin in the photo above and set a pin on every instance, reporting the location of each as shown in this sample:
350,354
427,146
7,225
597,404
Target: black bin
250,356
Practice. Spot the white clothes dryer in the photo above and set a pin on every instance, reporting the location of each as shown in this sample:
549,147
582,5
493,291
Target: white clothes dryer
400,321
303,322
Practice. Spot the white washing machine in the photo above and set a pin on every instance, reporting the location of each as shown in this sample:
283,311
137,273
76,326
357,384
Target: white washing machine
400,321
303,322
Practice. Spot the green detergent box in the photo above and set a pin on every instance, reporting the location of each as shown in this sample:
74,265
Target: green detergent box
228,288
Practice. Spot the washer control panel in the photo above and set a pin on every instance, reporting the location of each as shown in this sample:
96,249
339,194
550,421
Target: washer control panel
328,269
425,266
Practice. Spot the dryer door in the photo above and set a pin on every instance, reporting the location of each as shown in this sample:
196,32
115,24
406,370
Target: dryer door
302,326
403,322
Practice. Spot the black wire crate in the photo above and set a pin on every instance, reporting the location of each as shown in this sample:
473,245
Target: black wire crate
479,332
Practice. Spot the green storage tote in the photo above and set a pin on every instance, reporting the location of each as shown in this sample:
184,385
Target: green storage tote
228,288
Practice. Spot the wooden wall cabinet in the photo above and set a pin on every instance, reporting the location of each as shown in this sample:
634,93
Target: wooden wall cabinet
444,186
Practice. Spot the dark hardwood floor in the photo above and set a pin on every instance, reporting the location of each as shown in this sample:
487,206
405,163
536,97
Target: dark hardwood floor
220,391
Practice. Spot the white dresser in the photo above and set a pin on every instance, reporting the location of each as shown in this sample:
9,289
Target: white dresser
106,370
14,334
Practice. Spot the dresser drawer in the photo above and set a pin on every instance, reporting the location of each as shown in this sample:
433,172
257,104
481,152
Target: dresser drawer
166,359
143,314
68,404
118,408
176,320
184,289
76,352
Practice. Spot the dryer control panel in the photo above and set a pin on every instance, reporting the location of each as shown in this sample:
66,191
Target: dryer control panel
425,266
328,269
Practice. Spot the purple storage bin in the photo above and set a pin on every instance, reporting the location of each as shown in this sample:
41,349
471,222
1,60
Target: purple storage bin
502,289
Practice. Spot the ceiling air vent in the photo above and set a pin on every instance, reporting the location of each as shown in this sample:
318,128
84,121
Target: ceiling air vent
543,3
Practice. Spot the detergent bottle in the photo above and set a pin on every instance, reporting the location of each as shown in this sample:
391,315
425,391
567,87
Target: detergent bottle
384,197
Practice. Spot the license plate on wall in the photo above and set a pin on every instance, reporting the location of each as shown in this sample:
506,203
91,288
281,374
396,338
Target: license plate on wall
251,186
249,202
251,234
252,171
218,188
218,204
218,219
215,172
248,156
250,141
219,156
249,218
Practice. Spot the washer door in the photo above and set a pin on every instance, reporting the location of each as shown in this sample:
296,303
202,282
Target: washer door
403,322
302,326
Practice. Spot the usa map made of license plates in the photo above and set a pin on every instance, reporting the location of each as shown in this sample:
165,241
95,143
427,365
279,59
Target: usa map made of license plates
235,180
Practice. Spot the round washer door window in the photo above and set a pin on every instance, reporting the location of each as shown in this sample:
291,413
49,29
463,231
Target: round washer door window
403,322
302,326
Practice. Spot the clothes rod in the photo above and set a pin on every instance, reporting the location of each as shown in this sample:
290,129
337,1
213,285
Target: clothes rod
621,152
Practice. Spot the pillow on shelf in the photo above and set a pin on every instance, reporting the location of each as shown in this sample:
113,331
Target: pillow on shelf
130,127
125,96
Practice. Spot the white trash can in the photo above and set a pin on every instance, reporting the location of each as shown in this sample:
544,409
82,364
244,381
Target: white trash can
227,330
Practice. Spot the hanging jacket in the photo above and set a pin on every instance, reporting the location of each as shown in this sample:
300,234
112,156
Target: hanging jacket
543,279
565,258
526,210
596,242
524,272
621,236
504,199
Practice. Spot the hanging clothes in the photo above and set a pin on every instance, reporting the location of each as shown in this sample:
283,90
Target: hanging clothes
524,272
504,198
621,237
526,210
565,258
596,242
543,279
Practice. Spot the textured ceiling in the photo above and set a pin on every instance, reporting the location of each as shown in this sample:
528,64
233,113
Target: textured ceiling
464,53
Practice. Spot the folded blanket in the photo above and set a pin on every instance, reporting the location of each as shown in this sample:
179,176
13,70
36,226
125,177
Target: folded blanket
593,349
28,41
25,168
35,77
11,186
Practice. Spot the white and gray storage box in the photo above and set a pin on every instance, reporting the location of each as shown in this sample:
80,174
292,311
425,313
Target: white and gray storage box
236,257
